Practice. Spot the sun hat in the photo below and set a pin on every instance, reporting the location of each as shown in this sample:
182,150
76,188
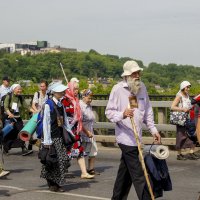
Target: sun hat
74,79
184,84
129,67
57,87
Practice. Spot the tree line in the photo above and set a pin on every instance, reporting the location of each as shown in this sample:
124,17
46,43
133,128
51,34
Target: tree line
84,65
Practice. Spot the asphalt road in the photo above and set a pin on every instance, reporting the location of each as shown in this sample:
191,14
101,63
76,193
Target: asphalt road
24,183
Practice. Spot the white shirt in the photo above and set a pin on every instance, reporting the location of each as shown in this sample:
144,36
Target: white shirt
41,100
4,90
88,119
47,123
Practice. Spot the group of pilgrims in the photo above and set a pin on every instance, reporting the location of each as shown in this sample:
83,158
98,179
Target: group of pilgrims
69,116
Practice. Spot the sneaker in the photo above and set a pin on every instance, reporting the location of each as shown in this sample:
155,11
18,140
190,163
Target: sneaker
191,156
26,152
181,157
87,176
4,173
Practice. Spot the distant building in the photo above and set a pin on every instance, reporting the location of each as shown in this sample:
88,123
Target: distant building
33,48
28,46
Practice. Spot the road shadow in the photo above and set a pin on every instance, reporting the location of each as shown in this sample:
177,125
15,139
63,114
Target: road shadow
4,193
77,185
97,169
14,171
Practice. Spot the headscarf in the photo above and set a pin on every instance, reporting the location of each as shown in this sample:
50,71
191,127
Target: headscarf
77,109
14,86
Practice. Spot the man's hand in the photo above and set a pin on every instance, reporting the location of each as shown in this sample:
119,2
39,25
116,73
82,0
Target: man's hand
156,138
128,113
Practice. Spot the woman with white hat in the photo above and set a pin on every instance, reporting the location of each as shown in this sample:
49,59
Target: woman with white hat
54,121
182,103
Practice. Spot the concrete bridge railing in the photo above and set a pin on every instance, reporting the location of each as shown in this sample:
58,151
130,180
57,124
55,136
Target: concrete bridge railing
161,116
161,112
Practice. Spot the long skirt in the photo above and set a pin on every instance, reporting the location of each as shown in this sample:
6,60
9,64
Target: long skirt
182,139
56,174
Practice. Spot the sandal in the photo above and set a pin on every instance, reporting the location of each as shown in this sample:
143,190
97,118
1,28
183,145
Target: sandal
93,172
87,176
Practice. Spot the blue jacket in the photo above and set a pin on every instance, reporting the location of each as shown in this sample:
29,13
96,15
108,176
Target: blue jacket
159,175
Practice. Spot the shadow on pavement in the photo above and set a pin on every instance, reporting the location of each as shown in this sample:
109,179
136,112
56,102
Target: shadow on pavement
98,169
83,184
4,193
20,170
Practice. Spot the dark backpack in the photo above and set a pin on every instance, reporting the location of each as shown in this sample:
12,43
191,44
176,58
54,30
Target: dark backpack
39,128
38,95
2,109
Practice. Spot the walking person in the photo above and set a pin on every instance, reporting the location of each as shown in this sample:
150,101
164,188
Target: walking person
40,96
54,123
182,103
39,99
118,111
5,87
73,110
14,106
87,133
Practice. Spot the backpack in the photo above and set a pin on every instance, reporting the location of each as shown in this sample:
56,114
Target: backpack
40,117
2,110
38,96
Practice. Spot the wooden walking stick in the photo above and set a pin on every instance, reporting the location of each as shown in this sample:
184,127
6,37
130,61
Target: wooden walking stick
63,72
133,104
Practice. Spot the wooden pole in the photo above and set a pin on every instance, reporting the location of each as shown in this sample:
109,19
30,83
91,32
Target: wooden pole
133,104
63,72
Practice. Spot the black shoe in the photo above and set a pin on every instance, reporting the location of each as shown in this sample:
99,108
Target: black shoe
181,157
53,188
191,156
26,152
60,189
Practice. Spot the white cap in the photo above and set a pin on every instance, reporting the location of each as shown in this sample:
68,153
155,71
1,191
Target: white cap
129,67
74,79
57,87
184,84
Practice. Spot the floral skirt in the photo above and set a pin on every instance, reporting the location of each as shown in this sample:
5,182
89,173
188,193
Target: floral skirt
56,174
77,149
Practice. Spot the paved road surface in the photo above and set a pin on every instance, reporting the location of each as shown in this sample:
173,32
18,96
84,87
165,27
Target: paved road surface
24,183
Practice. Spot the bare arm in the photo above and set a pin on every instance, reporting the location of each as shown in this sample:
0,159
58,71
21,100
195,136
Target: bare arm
175,107
88,133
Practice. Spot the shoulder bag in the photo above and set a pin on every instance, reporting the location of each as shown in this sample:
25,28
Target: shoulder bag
178,118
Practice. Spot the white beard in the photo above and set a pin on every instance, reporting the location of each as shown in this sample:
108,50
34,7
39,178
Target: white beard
133,84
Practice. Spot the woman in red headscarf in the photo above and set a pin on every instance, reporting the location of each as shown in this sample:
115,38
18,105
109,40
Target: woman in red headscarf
73,110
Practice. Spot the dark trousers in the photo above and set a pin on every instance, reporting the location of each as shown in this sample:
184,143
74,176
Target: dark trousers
130,171
11,140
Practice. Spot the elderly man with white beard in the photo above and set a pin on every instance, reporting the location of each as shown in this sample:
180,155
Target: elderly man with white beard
118,111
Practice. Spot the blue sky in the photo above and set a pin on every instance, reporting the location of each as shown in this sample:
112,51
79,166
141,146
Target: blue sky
152,31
